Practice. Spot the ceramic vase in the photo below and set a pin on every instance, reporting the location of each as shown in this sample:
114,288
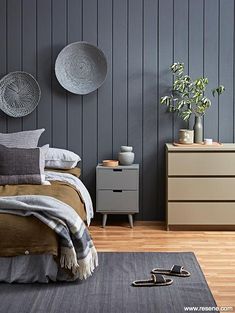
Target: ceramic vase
186,136
198,130
126,156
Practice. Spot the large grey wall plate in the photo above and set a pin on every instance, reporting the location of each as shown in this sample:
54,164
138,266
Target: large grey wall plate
19,94
81,68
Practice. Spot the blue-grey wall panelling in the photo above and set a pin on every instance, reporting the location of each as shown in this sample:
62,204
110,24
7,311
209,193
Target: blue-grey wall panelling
59,99
90,102
150,107
141,39
105,93
14,48
226,105
3,54
74,102
196,25
165,120
29,53
119,75
211,53
134,82
196,40
180,46
45,68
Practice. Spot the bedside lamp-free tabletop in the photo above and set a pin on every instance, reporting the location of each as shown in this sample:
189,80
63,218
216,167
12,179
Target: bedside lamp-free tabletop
117,191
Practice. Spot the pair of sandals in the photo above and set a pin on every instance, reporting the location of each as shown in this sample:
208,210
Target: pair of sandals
157,278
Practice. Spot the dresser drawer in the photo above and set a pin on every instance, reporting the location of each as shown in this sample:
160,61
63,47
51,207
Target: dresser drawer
117,179
201,163
117,201
201,188
201,213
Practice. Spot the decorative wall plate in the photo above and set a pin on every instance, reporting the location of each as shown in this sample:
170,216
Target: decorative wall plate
81,68
19,94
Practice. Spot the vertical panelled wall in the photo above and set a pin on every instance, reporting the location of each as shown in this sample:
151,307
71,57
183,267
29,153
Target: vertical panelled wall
141,39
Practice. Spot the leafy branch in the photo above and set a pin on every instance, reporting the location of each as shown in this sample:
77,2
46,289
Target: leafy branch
187,96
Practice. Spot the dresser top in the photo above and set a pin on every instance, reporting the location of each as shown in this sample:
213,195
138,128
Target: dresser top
223,147
129,167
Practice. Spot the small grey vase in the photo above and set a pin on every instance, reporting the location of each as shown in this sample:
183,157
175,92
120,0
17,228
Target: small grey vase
198,130
126,156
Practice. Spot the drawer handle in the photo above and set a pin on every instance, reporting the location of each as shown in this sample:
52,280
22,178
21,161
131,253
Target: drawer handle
117,190
117,170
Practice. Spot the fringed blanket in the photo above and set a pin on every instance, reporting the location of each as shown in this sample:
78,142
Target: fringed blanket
77,251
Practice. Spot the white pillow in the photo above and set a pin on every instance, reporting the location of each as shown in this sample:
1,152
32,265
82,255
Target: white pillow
61,158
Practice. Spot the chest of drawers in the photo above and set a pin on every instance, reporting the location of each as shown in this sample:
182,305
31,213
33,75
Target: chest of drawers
200,185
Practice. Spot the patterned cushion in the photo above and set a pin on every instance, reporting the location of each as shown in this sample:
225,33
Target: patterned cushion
25,139
22,166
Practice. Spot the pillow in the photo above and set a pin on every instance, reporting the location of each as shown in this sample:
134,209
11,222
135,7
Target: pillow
24,139
61,158
22,166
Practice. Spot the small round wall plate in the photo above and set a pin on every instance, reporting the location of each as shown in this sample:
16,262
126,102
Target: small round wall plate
81,68
19,94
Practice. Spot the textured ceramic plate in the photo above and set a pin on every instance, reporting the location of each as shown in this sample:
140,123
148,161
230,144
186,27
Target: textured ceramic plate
19,94
81,68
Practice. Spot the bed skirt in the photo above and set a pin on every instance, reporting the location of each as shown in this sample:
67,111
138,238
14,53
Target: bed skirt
40,268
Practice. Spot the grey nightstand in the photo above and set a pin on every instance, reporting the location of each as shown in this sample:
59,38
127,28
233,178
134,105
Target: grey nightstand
117,191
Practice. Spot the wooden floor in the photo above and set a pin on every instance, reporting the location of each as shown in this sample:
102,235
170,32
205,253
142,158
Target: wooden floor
215,250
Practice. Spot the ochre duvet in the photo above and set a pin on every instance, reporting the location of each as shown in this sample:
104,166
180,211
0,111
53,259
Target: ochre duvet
28,235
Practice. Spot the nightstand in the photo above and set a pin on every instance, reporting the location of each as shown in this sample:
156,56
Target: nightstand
117,191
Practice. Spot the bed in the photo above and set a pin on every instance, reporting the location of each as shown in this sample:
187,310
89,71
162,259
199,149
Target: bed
44,213
29,249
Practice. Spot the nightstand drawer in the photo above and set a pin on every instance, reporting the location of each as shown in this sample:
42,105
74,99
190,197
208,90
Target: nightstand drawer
117,179
117,201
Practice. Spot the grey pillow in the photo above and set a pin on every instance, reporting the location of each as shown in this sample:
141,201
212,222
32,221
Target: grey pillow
22,166
24,139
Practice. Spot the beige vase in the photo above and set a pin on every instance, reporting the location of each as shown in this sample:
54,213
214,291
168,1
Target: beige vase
186,136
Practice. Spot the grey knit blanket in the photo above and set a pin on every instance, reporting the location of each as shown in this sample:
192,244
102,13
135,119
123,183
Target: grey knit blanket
77,251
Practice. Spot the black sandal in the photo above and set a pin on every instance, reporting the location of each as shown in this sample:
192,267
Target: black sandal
176,270
157,280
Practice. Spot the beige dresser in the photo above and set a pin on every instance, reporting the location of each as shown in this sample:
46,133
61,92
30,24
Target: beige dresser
200,186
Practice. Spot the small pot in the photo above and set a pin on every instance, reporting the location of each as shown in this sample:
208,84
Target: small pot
126,158
186,136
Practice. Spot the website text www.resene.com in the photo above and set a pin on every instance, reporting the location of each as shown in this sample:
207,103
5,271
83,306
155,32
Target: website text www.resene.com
208,308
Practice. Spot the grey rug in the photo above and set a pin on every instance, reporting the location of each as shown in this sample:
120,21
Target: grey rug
109,290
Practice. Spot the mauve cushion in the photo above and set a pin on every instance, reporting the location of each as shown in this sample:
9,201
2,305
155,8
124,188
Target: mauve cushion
22,166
